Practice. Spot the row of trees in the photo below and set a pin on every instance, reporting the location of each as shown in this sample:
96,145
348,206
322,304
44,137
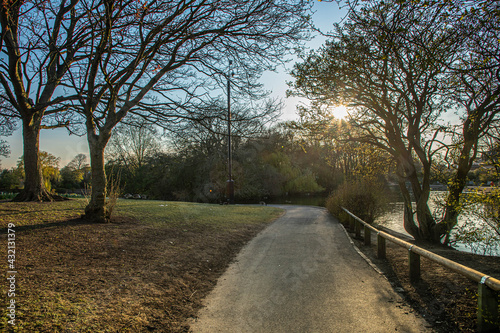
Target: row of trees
89,65
197,169
268,162
192,165
75,175
299,157
404,68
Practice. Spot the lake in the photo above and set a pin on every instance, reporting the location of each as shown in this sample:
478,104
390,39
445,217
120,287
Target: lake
393,220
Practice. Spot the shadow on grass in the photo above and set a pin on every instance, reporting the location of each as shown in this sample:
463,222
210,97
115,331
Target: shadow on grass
71,222
15,212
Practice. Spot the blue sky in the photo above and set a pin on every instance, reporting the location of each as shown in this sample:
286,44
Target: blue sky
60,144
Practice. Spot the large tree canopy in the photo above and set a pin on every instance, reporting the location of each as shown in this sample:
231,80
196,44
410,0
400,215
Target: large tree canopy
402,67
159,59
40,41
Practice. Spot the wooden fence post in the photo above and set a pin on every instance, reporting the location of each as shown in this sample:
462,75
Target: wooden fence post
367,235
351,223
487,308
380,246
414,263
358,229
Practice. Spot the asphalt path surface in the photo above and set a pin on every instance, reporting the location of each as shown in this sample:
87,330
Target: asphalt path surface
302,274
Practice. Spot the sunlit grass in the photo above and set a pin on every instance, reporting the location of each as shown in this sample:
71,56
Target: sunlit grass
187,213
166,213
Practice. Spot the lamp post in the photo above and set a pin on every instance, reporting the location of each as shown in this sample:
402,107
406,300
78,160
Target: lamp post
230,182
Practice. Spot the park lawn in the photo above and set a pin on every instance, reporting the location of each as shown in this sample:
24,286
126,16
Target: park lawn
147,270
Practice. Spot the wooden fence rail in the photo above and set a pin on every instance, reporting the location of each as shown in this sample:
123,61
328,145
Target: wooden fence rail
488,287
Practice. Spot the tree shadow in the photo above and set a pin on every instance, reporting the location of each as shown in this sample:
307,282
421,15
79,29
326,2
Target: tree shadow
70,222
7,211
431,298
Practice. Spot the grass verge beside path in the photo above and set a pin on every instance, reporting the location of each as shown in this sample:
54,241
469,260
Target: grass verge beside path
148,270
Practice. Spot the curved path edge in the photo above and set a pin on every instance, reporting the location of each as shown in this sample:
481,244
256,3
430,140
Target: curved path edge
302,274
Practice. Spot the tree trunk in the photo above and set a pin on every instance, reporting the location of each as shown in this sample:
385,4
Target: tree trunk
467,156
425,219
97,209
408,220
34,188
424,226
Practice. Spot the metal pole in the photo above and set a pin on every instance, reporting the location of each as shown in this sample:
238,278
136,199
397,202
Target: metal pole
230,182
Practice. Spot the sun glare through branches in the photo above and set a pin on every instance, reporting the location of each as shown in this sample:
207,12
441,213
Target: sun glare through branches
340,111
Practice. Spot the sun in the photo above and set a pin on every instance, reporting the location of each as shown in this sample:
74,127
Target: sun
340,111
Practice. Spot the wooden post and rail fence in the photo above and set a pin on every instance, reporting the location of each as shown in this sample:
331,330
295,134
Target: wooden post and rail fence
488,287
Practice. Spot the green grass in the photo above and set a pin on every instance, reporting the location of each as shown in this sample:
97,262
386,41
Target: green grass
186,213
155,212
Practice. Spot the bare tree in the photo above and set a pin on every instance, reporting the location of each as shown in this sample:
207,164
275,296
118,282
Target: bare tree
4,149
160,57
79,162
132,144
40,41
7,126
475,78
207,125
403,66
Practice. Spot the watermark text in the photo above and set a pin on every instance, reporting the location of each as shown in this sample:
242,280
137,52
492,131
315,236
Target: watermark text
11,273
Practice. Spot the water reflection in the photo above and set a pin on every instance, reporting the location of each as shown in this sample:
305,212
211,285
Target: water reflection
393,220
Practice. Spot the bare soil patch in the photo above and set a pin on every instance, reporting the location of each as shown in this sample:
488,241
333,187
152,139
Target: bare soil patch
447,300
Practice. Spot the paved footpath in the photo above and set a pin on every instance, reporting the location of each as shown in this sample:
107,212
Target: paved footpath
301,274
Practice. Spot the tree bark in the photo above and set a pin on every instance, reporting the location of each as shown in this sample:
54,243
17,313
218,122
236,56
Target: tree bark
34,187
97,209
424,226
471,134
408,219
